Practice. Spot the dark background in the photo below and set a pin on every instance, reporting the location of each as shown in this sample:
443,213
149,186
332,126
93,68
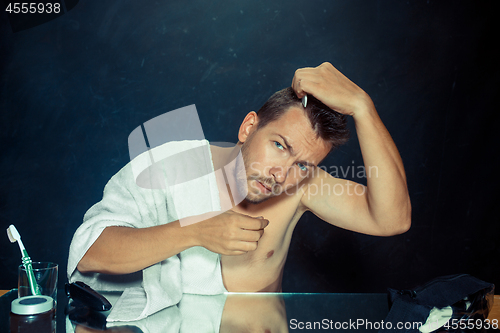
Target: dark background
72,90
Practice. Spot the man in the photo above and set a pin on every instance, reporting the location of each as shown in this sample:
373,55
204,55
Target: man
281,156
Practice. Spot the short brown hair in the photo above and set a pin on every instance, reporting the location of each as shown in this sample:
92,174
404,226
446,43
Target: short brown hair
330,125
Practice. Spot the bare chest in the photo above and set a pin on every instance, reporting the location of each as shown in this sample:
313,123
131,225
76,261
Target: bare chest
256,270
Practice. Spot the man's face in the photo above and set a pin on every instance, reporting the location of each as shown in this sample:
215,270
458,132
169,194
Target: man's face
281,154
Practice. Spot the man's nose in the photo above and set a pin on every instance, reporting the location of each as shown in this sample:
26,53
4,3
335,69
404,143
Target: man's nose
280,173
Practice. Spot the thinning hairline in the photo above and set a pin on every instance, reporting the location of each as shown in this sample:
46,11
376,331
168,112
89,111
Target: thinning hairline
308,115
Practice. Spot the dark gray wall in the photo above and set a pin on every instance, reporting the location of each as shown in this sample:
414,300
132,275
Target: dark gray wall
72,90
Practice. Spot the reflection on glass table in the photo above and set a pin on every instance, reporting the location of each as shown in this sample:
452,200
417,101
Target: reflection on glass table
233,312
250,312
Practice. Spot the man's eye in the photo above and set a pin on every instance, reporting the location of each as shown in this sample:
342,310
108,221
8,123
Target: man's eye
302,167
279,145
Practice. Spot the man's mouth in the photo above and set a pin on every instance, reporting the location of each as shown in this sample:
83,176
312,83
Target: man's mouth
264,187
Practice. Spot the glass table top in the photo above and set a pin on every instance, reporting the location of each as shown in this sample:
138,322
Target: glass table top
232,312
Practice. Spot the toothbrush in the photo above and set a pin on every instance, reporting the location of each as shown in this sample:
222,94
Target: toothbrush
14,236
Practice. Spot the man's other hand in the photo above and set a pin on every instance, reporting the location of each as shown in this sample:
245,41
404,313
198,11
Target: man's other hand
230,233
331,87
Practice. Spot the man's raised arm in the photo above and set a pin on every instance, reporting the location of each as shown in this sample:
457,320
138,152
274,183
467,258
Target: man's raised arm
382,207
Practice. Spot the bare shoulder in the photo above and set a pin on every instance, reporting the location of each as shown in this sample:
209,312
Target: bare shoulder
319,185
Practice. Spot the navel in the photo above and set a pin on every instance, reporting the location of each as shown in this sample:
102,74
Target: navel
270,254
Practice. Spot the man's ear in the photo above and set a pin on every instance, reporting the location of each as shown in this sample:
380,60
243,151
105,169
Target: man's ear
248,125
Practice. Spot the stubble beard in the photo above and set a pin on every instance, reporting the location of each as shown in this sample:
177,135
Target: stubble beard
255,196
